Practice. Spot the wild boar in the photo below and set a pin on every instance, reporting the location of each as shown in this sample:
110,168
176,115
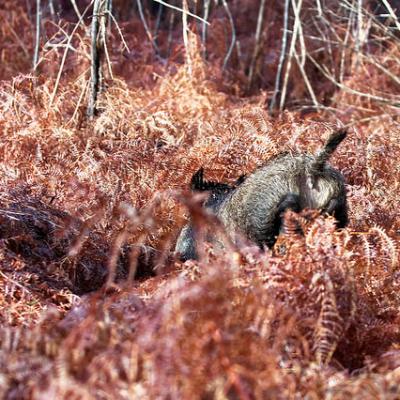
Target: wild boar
185,246
254,207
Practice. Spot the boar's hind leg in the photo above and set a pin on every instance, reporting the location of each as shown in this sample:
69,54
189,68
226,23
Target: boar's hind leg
290,201
337,207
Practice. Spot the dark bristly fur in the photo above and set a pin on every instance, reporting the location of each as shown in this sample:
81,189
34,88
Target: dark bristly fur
255,207
186,243
330,146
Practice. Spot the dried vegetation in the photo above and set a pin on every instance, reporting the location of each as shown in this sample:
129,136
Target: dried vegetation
86,205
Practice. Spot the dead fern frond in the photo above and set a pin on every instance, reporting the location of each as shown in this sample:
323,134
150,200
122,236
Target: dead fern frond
329,328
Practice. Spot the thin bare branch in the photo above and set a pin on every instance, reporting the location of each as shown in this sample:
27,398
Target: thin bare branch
14,282
257,46
103,31
297,23
53,95
395,102
181,10
206,14
52,10
392,13
146,27
233,40
359,29
17,38
281,58
369,58
37,36
158,21
345,48
76,9
307,81
78,104
185,37
170,28
319,8
119,30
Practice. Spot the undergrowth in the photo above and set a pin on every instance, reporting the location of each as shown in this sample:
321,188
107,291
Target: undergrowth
92,302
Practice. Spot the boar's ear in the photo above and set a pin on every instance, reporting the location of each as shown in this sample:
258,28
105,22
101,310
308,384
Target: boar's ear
197,181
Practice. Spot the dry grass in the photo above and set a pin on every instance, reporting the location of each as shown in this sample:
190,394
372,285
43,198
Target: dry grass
86,204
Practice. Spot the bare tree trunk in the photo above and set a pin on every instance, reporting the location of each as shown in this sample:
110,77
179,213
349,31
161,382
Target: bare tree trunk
95,60
101,9
37,37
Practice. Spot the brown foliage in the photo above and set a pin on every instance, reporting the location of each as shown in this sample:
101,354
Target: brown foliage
86,206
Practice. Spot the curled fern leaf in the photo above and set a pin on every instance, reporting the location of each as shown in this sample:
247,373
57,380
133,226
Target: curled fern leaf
330,324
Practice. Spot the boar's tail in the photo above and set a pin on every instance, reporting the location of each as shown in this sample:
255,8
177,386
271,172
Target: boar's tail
330,146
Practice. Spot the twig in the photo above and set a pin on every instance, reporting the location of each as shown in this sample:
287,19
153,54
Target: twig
83,234
82,94
257,45
328,43
359,27
37,38
319,8
181,10
53,95
350,90
134,257
18,39
282,56
344,48
109,11
204,26
392,13
51,8
307,81
170,27
28,9
146,27
23,288
185,37
302,43
389,32
301,61
158,22
119,30
239,55
387,72
103,30
297,23
76,9
233,40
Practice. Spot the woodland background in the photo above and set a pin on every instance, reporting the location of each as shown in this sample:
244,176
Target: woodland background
92,304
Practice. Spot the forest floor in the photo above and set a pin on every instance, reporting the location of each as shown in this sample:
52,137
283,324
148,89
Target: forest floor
93,303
